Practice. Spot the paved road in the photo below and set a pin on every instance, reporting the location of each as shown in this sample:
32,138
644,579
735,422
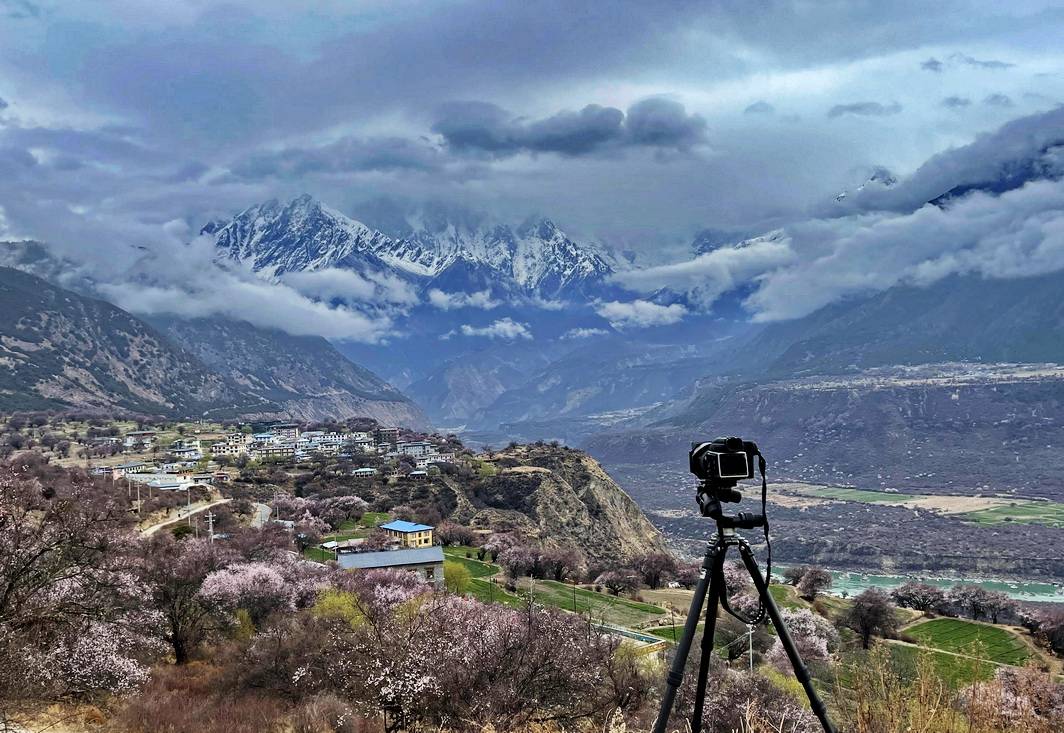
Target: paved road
262,515
182,514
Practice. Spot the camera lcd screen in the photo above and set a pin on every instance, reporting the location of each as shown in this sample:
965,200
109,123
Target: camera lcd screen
733,465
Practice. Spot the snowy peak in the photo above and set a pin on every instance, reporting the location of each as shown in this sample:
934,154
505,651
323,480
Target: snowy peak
460,252
300,235
880,178
546,259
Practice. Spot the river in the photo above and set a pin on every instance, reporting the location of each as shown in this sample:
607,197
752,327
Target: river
852,583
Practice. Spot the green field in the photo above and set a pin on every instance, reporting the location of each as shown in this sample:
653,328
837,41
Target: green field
972,639
481,586
956,672
1048,513
603,606
1020,511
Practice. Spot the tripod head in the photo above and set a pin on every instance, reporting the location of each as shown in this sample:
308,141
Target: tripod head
709,504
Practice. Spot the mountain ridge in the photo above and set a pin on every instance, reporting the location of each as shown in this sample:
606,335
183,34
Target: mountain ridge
535,259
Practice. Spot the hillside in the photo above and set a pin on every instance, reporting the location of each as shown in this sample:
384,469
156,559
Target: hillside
59,349
558,496
304,375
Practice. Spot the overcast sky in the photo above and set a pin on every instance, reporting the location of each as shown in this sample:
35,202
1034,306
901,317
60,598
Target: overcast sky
634,122
130,123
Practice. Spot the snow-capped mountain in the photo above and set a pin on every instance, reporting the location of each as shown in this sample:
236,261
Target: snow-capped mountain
535,259
880,178
303,234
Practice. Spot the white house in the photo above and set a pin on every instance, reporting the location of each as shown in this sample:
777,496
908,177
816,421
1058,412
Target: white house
416,448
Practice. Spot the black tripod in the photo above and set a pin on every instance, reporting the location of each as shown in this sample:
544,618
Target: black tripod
711,587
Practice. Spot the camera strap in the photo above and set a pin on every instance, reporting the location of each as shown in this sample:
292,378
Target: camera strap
761,464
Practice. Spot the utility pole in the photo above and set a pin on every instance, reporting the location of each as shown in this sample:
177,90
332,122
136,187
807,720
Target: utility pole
210,526
138,498
750,644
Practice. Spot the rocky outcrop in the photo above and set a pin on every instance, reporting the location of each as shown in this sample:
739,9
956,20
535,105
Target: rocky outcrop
562,497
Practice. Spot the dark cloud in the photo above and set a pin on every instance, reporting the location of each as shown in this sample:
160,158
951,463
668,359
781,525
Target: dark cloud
967,60
487,128
955,102
998,100
20,9
3,104
865,109
348,155
664,123
760,107
962,59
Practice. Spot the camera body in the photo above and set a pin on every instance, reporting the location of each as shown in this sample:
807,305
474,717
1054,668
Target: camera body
723,462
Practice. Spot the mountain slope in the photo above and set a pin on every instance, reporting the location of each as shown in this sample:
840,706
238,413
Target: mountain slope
303,375
302,235
59,349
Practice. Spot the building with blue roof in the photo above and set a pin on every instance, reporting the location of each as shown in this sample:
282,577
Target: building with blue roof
409,534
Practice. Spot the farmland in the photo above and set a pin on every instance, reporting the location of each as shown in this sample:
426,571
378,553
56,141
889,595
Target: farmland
972,639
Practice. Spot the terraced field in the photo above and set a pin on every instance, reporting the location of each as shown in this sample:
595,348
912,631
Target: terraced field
993,643
1048,513
480,583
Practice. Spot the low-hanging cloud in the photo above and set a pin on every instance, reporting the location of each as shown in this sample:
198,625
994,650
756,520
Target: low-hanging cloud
760,107
1005,219
192,285
708,276
955,102
332,284
998,100
583,333
1037,139
1017,234
640,313
450,301
865,109
486,128
506,329
961,59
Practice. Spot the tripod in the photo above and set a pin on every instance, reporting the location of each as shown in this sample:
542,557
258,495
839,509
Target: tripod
711,588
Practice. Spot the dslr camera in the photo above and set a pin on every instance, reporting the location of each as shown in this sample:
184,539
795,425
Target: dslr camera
723,462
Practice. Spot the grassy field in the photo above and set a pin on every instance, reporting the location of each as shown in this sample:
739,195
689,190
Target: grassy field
603,606
956,672
985,510
994,643
481,575
1048,513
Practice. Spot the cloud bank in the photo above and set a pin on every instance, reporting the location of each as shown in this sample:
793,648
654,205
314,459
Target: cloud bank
486,128
1014,228
640,314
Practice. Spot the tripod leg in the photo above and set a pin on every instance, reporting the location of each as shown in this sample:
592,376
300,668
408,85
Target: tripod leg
800,670
716,589
683,649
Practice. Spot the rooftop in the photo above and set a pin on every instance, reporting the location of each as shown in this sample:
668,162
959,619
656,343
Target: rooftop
390,558
398,525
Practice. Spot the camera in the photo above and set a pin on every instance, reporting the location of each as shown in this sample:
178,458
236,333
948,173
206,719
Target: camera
723,462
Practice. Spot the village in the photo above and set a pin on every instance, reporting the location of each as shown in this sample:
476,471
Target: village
150,461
